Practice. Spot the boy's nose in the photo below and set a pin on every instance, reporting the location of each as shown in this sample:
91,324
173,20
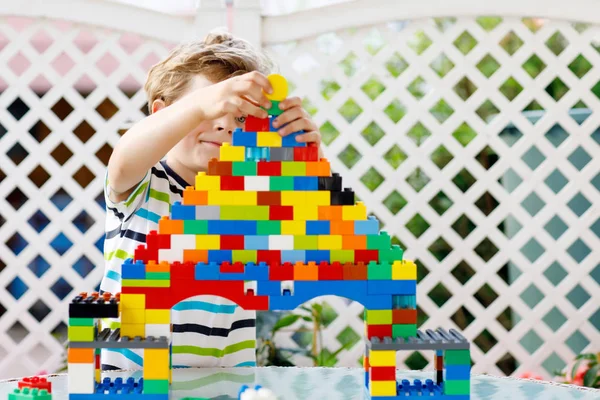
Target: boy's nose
220,128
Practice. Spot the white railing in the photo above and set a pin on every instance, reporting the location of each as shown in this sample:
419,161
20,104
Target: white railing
511,233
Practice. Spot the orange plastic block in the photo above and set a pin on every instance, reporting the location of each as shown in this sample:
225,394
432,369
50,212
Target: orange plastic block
318,168
330,213
366,363
195,256
354,272
306,272
167,226
404,316
152,266
80,356
354,242
193,197
342,227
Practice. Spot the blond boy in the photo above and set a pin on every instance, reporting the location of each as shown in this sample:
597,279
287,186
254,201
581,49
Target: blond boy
197,97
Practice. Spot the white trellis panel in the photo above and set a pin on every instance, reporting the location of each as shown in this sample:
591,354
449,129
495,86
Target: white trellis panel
67,88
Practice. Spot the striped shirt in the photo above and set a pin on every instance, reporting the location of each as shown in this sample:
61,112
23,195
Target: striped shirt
207,331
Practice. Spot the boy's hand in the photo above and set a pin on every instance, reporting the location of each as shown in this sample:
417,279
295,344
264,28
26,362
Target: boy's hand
295,119
241,95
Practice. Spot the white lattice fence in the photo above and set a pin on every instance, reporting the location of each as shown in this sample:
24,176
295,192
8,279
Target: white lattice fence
430,122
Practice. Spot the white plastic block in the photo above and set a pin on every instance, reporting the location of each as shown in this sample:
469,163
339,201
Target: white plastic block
287,285
257,183
157,330
281,242
81,378
183,242
170,255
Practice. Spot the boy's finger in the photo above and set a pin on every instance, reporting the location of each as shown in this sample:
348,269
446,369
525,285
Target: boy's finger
290,102
248,108
289,115
309,137
301,124
254,92
261,80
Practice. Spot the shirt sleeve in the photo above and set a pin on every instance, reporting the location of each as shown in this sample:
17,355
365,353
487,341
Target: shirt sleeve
124,209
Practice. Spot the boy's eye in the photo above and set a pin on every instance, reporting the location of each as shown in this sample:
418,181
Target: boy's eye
241,119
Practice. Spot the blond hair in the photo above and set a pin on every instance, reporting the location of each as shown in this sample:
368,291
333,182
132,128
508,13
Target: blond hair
217,57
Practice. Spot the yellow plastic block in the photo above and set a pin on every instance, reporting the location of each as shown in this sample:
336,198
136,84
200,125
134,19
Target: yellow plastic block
227,152
357,212
207,182
268,139
306,213
218,197
318,198
294,198
404,270
156,364
379,317
133,330
280,87
330,242
133,317
382,358
244,198
293,227
208,242
133,301
158,316
382,388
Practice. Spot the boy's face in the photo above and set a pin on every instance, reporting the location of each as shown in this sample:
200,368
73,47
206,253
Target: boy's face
196,149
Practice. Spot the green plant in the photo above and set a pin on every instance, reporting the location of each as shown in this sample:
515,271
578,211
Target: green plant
583,371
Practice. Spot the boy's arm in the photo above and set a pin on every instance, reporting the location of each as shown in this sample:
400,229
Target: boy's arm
149,140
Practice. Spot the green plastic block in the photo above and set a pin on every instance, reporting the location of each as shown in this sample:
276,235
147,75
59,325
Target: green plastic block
244,256
81,333
342,256
195,227
81,321
457,387
302,242
158,275
378,317
268,227
381,272
29,394
274,110
391,255
383,241
238,213
404,330
457,357
156,386
281,183
145,283
244,168
293,168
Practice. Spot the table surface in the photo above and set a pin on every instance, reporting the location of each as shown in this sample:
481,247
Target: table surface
321,383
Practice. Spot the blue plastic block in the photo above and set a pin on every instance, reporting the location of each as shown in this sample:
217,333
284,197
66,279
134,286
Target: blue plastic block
318,228
368,227
290,140
271,127
256,242
232,276
221,227
439,353
240,138
318,256
119,396
181,212
258,272
306,183
458,372
206,272
117,390
258,153
130,270
293,256
219,256
427,389
390,287
268,288
367,379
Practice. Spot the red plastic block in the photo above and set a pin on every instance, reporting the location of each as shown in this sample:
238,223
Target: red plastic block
166,298
281,272
331,272
220,168
252,302
404,316
268,168
309,153
268,198
281,213
254,124
232,242
366,256
269,256
383,373
35,382
379,331
232,183
145,255
156,241
236,267
355,272
183,272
